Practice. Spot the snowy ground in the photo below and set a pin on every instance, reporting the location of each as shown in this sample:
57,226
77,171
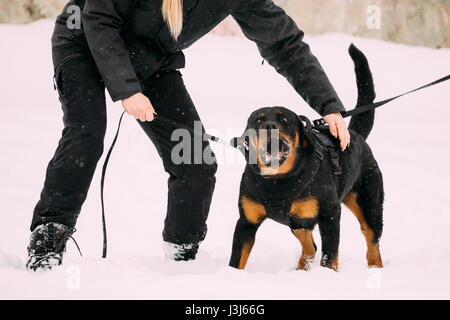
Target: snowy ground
227,81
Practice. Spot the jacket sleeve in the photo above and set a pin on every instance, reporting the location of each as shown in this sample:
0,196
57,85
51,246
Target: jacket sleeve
280,42
102,23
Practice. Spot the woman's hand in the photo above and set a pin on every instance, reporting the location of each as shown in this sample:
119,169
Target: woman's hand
338,128
140,107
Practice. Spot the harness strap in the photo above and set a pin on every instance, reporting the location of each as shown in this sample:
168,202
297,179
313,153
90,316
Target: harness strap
278,209
307,223
308,131
337,169
329,146
274,205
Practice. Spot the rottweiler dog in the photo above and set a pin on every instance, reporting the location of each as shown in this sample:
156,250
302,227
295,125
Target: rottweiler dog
300,177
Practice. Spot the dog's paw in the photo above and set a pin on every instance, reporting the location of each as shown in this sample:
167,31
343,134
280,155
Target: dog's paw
305,263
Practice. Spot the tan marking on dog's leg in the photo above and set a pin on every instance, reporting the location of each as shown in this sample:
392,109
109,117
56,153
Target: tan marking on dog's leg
308,250
245,253
307,208
373,252
254,212
334,265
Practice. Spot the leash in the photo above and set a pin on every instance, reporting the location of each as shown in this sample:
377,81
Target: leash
317,123
372,106
102,186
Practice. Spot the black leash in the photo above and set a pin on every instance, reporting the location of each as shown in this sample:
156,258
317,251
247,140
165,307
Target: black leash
102,185
317,123
371,106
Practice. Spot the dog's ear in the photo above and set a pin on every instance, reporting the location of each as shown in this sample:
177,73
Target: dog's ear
305,123
308,135
305,130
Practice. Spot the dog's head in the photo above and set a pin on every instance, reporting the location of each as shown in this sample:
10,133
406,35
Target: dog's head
272,141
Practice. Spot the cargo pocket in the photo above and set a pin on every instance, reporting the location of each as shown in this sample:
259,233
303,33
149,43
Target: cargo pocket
58,82
58,85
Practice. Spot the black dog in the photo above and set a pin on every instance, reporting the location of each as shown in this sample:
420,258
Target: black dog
310,180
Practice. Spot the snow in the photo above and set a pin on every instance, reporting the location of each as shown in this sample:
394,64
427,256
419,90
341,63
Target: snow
227,81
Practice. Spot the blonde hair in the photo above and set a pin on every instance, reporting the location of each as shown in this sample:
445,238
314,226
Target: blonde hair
172,11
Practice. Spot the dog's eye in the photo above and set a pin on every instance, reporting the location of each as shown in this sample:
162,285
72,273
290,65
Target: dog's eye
284,119
259,120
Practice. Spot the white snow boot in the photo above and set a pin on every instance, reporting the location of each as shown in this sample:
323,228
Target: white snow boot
180,252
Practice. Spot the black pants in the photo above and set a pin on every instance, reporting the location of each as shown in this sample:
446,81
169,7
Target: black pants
69,173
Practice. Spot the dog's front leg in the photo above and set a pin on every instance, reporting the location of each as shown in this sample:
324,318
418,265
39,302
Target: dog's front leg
303,217
329,226
252,214
308,248
244,238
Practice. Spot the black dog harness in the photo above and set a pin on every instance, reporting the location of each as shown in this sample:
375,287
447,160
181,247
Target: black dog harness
321,141
278,209
319,136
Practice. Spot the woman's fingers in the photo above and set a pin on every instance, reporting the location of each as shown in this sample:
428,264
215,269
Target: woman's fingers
142,116
139,106
348,138
344,135
149,115
338,129
333,128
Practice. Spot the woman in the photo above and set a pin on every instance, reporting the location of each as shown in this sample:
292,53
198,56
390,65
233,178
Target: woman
134,49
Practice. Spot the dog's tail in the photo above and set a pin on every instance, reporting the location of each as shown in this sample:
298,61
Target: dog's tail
363,123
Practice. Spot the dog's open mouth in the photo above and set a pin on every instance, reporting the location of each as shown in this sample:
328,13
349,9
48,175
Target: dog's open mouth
274,151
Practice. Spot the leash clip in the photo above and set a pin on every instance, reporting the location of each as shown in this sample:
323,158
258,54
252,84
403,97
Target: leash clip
319,122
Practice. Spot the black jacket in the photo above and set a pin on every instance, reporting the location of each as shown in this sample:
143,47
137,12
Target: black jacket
129,41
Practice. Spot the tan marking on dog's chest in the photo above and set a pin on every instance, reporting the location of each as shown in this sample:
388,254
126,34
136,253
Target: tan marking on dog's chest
306,208
253,211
